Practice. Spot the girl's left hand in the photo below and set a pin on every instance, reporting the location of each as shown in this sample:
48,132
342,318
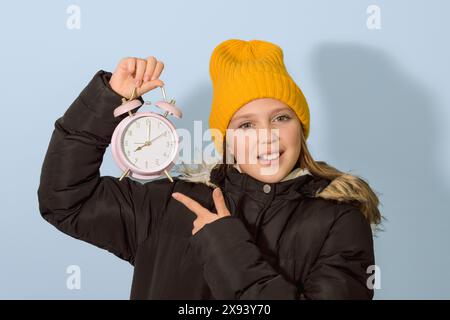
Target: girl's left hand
204,216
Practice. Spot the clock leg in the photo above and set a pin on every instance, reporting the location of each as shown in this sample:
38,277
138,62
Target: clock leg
168,175
124,174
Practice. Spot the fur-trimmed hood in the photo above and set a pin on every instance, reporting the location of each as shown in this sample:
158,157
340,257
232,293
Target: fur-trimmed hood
317,187
201,173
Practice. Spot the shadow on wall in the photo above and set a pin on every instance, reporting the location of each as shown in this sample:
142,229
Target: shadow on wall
382,121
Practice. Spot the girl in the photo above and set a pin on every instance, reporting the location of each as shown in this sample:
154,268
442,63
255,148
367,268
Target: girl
277,225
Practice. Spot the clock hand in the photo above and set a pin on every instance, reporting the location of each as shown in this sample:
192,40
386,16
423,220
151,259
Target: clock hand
148,139
140,147
147,143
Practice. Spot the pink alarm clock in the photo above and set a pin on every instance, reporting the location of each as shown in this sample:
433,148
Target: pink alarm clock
145,144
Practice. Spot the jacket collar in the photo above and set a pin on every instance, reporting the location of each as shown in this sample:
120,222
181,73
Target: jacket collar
240,185
299,183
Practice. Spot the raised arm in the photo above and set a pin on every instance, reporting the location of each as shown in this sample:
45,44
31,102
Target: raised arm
111,214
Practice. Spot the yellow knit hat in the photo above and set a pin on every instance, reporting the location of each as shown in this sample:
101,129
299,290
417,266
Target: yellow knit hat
242,71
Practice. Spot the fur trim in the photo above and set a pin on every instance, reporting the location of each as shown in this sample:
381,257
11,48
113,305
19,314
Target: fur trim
200,173
197,173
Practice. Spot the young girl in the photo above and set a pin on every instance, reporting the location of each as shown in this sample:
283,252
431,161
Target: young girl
277,225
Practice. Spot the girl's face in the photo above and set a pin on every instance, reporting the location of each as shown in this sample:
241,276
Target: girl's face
265,139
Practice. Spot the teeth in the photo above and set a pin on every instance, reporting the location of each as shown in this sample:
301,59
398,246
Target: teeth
269,157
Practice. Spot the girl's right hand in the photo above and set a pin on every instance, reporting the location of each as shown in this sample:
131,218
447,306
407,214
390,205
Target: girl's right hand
135,72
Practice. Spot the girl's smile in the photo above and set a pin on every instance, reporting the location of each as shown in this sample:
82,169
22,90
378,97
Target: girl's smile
273,158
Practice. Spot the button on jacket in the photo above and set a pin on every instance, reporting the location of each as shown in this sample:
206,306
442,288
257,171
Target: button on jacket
280,242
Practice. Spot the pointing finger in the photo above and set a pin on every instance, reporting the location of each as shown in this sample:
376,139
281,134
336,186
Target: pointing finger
190,203
219,202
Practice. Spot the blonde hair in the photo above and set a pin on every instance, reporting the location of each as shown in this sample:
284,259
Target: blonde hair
344,187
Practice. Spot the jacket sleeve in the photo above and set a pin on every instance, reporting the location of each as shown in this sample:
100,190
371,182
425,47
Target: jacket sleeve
72,195
234,267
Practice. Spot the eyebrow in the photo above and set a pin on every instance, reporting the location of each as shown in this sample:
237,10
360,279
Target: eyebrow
250,115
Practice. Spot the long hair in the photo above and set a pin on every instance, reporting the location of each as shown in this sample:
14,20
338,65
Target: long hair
344,187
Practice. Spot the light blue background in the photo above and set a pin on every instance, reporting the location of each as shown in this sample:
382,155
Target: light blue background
379,108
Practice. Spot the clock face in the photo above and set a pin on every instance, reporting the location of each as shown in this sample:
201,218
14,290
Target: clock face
148,143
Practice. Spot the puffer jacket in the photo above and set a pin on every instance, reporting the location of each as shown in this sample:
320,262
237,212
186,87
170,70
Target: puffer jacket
280,241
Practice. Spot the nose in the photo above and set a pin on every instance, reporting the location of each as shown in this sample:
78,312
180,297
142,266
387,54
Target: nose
268,137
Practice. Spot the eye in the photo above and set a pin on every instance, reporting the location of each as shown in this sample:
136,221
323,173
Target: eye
283,117
245,125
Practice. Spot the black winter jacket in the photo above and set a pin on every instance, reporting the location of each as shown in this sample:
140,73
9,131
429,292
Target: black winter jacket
279,242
